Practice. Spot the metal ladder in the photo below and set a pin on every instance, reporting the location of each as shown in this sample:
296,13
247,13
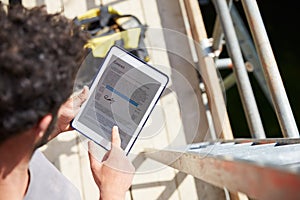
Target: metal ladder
258,167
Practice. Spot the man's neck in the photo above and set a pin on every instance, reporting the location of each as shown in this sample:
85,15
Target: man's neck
15,155
15,185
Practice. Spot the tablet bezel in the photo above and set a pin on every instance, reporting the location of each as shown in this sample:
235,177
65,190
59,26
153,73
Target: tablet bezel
138,64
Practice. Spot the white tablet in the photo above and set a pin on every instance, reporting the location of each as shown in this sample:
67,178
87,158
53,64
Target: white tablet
123,93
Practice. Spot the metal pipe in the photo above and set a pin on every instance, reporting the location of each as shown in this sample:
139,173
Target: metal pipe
224,63
243,82
207,110
249,51
229,81
280,100
217,36
218,33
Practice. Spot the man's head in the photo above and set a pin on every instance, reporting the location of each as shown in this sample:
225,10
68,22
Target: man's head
39,58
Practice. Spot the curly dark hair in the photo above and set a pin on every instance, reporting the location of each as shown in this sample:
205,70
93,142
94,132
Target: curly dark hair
39,57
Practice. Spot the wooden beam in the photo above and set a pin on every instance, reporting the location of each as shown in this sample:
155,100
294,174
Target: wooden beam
208,72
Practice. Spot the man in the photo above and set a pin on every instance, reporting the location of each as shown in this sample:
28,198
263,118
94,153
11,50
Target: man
39,57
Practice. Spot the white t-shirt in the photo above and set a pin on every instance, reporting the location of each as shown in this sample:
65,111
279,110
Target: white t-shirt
47,183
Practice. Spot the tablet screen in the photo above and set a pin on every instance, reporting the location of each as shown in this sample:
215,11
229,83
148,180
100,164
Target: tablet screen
121,97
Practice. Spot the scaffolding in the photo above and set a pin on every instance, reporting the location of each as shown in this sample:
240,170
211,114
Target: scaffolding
225,162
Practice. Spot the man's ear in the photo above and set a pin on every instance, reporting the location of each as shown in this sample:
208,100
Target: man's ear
42,125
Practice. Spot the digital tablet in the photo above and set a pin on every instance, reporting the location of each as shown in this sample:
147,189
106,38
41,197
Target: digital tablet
123,93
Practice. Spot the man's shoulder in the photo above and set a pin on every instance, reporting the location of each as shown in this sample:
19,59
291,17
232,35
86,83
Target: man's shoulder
47,182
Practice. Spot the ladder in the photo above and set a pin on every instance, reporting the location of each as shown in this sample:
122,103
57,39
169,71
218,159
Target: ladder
258,167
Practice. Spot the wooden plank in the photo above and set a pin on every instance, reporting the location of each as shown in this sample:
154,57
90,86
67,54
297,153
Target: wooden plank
185,84
152,180
73,8
185,81
166,179
207,66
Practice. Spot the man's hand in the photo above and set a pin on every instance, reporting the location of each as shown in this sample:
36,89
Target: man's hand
114,174
68,111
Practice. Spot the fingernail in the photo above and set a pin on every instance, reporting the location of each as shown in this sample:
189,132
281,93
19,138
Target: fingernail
115,128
